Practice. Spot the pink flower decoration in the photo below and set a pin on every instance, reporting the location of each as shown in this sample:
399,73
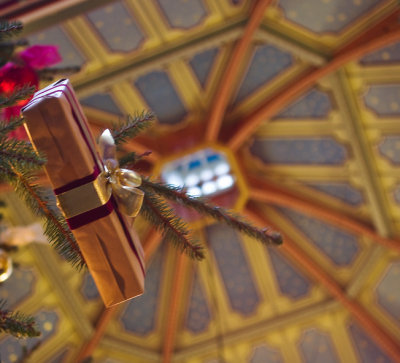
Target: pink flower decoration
40,56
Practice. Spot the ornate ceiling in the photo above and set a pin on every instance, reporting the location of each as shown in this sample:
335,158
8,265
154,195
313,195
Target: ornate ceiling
305,98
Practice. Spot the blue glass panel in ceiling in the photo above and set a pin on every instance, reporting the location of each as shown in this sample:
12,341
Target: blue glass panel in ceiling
383,99
291,281
316,346
56,36
388,291
161,96
202,64
139,316
263,354
340,190
387,55
314,104
326,16
339,246
18,287
366,348
183,13
234,268
199,315
11,349
389,147
103,102
309,151
117,27
267,62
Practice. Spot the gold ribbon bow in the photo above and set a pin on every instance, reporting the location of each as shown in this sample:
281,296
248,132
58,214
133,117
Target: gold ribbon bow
121,183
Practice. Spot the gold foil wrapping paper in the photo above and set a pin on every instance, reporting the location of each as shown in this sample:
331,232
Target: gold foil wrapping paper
112,251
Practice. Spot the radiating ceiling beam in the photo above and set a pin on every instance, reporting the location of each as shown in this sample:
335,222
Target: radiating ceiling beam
175,303
151,59
151,242
277,102
40,14
317,273
259,329
267,193
235,62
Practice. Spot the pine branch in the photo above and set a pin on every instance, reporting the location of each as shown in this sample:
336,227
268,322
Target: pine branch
17,324
131,127
7,127
19,154
9,28
18,94
130,159
173,228
220,214
56,228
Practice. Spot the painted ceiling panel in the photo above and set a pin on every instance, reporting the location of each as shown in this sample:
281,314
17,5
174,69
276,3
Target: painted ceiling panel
339,246
198,315
291,281
383,99
323,16
308,151
103,102
341,190
20,286
389,147
267,63
263,353
315,104
89,289
386,55
368,351
56,35
202,64
183,14
161,96
117,27
388,292
140,314
316,346
234,268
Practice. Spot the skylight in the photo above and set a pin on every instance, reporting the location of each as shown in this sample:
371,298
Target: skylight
203,173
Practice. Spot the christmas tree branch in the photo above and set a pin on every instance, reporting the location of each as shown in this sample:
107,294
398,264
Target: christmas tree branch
131,127
130,159
173,228
18,94
8,28
17,324
18,153
56,228
220,214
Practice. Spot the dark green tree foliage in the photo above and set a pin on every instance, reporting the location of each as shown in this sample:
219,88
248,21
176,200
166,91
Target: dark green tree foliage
17,324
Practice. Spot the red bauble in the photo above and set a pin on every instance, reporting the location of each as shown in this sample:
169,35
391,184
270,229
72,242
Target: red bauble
13,77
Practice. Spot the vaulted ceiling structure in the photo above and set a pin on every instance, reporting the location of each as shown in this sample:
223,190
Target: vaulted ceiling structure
303,100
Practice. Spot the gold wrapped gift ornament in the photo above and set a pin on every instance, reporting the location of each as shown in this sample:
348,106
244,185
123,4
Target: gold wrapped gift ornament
92,194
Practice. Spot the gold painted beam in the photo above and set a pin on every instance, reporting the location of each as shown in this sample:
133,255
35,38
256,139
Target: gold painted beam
301,84
266,193
233,67
387,342
257,330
